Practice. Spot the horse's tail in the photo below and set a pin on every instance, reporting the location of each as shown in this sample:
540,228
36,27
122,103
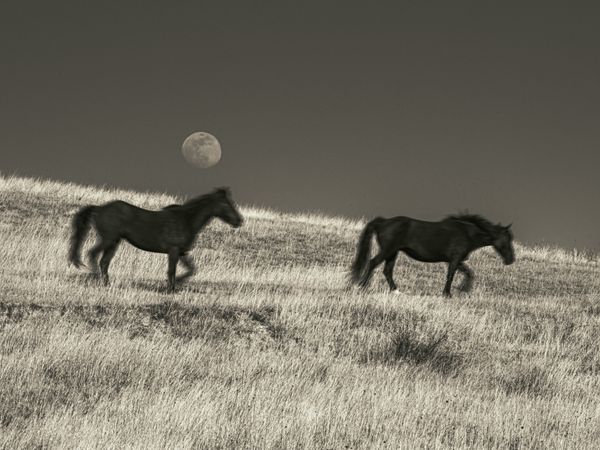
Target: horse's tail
81,226
364,249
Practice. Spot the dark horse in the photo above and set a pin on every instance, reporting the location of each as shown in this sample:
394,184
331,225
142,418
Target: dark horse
171,230
450,240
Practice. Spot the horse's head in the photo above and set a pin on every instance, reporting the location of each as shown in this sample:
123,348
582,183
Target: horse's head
225,208
502,243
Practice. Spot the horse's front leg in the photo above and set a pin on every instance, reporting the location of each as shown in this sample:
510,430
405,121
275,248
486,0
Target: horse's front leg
173,259
188,262
452,266
467,283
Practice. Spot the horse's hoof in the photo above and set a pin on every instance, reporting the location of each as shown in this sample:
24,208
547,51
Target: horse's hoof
396,292
93,277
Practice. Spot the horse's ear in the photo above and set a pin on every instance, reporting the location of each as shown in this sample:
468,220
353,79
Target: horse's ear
223,191
507,227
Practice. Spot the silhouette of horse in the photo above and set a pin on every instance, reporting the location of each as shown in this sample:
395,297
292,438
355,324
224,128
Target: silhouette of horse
171,230
450,240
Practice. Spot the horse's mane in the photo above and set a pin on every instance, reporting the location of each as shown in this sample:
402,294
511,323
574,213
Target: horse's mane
193,202
480,222
200,199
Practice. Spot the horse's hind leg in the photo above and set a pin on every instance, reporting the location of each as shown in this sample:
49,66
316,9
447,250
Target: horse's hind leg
188,263
173,259
107,256
452,266
93,254
375,261
467,283
388,271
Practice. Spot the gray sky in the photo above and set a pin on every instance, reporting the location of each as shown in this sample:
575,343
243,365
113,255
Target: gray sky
399,108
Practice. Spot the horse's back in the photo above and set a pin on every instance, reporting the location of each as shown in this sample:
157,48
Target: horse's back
119,213
121,205
392,229
141,227
422,240
408,225
442,230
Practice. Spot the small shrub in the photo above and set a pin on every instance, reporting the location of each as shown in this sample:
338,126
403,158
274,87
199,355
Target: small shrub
216,321
525,380
427,348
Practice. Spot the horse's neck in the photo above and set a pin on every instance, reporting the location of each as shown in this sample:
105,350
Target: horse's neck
482,240
200,220
478,237
201,215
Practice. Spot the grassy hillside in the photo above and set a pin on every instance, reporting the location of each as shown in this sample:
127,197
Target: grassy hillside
267,347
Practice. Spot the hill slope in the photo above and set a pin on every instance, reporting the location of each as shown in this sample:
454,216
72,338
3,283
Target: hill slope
266,347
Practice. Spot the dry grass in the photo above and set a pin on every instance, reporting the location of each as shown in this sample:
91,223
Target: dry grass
267,347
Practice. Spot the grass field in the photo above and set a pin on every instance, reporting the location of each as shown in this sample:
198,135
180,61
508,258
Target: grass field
267,346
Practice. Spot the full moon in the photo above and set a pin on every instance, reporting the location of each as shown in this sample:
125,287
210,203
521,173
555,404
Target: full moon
201,149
